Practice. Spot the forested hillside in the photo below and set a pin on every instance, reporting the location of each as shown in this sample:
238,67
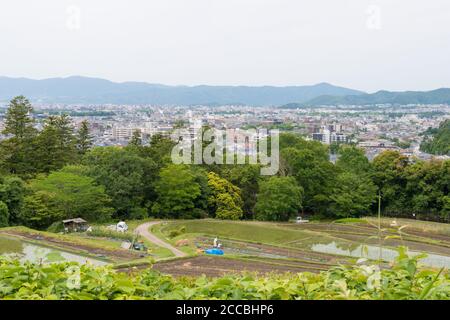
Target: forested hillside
437,141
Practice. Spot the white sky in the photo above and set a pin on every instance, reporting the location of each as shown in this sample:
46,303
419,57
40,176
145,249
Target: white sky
231,42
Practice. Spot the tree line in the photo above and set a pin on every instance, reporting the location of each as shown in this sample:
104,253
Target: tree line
55,173
437,140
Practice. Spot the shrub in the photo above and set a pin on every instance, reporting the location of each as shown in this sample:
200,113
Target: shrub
177,232
56,227
112,234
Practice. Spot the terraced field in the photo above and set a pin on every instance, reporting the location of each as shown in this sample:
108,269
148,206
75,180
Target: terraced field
289,247
219,266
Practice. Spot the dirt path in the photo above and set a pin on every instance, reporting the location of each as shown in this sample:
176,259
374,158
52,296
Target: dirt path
143,230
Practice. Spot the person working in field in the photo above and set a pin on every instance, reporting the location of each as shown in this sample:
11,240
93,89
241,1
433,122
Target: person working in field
216,243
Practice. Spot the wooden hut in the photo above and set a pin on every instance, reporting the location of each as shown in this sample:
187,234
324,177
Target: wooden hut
75,225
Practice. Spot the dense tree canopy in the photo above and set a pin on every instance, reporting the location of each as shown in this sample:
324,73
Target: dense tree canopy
12,192
352,196
4,215
123,173
225,201
177,192
437,141
279,199
69,195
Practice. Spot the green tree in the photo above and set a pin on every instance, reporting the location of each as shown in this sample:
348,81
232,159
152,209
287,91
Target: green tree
16,152
55,144
225,201
201,202
247,178
136,139
352,196
177,192
389,176
159,150
4,215
445,211
353,159
18,122
12,192
73,195
39,210
314,172
84,138
427,186
279,198
127,177
437,141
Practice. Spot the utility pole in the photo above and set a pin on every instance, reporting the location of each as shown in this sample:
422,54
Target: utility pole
379,227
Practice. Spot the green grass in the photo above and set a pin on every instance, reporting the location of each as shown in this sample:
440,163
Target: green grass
257,232
102,241
350,220
424,226
161,232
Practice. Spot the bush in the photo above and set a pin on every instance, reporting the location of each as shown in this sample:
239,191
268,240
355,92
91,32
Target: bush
195,213
138,213
177,232
56,227
350,220
108,233
4,215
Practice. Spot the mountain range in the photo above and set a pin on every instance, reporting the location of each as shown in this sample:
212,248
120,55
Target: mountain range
438,96
85,90
78,89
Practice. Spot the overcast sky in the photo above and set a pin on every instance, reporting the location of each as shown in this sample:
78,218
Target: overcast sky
362,44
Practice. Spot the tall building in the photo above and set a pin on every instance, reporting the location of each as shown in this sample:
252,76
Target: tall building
330,134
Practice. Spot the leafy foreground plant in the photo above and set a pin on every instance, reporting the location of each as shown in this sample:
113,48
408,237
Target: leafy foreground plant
71,281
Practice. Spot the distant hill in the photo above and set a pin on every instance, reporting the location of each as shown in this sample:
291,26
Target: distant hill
381,97
78,89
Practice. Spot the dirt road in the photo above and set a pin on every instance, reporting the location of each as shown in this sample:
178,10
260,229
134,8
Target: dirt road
143,230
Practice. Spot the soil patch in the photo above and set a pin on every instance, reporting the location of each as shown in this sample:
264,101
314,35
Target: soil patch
219,266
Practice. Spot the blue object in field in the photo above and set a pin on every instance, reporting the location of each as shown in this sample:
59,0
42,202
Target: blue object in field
214,251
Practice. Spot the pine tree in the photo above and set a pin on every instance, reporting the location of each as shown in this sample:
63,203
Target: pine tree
18,121
17,151
84,139
55,144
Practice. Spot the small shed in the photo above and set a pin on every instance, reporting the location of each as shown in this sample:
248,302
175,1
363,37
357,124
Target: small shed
75,225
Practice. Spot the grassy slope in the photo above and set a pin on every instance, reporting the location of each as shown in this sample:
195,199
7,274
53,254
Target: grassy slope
257,232
423,226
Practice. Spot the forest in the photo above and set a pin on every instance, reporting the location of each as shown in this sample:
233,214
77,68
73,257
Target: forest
55,173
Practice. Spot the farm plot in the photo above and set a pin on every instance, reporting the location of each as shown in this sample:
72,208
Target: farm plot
327,243
414,239
89,247
219,266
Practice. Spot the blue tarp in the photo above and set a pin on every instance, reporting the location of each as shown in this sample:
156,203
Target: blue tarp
214,251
